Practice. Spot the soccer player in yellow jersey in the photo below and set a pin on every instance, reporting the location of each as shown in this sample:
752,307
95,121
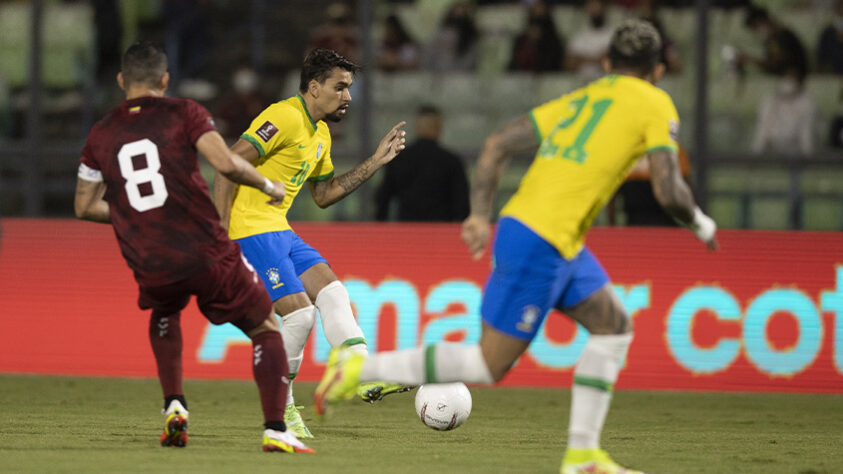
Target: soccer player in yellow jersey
289,142
587,142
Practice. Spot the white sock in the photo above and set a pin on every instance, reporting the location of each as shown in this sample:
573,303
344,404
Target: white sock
295,329
594,377
338,320
443,362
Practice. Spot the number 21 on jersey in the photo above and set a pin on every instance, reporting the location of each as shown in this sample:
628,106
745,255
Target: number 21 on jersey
137,176
575,150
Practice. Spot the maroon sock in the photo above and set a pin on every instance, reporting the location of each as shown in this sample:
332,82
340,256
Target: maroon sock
270,370
165,338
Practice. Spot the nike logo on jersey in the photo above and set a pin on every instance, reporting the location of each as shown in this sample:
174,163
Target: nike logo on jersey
302,147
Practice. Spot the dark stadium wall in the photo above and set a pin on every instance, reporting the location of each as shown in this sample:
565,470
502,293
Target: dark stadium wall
763,314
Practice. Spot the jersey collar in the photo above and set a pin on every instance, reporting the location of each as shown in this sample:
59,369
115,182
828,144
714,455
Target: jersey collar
304,107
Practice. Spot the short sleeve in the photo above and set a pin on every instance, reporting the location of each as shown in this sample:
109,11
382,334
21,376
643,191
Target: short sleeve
198,120
546,116
89,169
324,168
88,155
662,126
265,131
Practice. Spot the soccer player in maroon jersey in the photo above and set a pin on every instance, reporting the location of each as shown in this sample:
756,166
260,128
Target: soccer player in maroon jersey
139,172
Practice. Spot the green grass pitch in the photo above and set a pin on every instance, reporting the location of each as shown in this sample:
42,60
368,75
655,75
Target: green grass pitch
62,424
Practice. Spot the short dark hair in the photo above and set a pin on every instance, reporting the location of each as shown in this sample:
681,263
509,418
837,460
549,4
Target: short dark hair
755,15
636,46
428,109
143,63
318,66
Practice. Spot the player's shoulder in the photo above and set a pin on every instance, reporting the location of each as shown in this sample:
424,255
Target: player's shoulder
645,95
650,90
281,113
182,103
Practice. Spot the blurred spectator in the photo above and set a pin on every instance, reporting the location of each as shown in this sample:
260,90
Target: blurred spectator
188,46
836,131
236,111
397,50
648,10
639,202
338,33
588,46
783,51
428,183
109,38
454,46
830,45
786,118
538,48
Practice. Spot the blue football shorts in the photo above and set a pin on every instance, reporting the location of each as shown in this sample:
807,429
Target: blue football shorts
279,258
530,277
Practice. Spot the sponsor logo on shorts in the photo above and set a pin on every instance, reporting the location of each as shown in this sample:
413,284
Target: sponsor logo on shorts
528,319
266,131
275,277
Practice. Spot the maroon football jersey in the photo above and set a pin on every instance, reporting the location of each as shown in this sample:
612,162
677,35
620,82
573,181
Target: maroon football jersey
166,224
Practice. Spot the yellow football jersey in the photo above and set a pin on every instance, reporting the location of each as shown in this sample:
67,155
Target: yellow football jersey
293,149
590,139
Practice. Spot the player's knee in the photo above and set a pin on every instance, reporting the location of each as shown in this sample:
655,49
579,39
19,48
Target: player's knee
303,318
268,324
332,293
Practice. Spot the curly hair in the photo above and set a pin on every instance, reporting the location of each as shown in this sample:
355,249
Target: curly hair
636,45
318,65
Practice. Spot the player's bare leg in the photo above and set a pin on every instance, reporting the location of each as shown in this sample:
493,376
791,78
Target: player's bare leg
594,376
341,329
166,341
298,317
482,363
269,367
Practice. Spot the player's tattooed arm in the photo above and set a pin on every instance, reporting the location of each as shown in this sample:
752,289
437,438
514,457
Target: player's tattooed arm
515,138
329,191
669,187
89,204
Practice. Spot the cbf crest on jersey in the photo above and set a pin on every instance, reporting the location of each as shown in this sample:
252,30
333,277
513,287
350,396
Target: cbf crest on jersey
275,277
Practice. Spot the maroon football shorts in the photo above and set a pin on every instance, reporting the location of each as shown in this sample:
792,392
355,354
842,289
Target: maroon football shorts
228,292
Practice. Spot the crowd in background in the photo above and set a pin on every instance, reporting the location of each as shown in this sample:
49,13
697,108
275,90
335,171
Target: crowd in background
223,72
784,119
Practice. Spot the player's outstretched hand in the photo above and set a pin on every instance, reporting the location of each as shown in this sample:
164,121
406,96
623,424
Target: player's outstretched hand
712,244
391,144
475,233
705,229
277,193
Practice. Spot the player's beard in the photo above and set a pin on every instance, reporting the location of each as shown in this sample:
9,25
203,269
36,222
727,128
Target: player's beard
336,116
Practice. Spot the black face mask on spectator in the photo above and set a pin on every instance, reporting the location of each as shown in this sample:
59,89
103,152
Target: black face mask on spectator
598,21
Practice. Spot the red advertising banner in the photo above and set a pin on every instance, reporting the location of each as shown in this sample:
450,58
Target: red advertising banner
763,314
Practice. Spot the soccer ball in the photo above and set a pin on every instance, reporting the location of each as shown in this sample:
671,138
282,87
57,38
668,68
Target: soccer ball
443,406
